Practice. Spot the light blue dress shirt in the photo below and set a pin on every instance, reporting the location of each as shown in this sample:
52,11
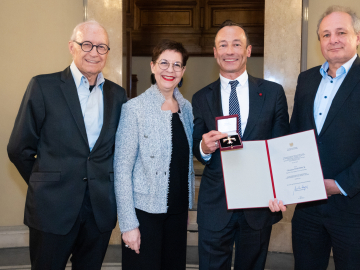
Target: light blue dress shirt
325,95
92,103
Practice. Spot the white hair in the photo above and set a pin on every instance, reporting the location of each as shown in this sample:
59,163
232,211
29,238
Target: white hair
80,27
355,19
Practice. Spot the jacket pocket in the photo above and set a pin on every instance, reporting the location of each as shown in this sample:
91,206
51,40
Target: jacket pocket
45,176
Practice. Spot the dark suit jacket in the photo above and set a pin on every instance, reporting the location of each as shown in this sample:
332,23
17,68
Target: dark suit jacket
268,118
339,139
49,147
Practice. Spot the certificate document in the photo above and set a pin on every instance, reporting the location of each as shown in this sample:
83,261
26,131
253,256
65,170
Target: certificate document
287,168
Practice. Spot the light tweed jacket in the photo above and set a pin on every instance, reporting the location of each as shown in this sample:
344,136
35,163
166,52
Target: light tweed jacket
142,158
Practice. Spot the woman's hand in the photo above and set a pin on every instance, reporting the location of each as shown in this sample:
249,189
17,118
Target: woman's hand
276,206
132,239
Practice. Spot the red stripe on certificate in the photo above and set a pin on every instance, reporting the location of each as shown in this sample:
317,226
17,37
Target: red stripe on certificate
271,174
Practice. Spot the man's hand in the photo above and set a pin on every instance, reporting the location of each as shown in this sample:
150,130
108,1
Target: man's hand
209,141
331,187
132,239
276,206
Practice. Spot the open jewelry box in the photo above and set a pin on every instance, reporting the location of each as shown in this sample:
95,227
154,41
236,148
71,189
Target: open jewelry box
230,125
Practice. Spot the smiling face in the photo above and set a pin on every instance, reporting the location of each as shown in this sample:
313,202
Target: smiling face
231,52
90,63
167,79
338,40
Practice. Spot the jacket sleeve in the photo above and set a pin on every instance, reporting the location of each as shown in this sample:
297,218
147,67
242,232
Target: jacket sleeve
25,136
349,179
200,128
126,151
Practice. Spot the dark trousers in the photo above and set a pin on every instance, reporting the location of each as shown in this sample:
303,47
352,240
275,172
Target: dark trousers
163,243
317,229
251,246
84,241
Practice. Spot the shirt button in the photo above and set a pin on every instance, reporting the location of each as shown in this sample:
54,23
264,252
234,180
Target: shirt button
320,113
331,81
325,97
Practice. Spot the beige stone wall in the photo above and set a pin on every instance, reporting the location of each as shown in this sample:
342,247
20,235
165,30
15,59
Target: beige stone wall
316,8
34,40
282,65
200,71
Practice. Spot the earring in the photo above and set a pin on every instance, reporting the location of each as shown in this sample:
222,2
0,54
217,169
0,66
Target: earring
152,78
180,83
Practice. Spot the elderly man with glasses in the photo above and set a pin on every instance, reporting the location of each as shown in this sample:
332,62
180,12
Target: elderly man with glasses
62,145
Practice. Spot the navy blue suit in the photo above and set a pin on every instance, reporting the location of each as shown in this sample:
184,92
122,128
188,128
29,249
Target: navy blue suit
66,182
334,222
268,118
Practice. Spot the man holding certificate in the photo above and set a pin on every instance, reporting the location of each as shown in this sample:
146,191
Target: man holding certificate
327,99
262,114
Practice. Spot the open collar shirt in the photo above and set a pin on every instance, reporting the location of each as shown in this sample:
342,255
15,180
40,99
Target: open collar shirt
327,90
92,103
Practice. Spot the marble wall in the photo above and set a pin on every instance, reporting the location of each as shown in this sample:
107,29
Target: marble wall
109,14
283,44
282,65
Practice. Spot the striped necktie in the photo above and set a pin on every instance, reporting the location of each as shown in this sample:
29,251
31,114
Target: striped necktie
234,107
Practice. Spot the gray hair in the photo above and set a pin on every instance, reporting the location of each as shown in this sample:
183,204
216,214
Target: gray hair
355,19
82,25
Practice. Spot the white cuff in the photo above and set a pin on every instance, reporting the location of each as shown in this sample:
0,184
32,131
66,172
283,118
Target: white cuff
205,157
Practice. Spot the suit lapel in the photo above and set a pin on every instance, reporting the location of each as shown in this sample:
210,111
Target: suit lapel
68,88
256,102
108,105
313,87
347,86
214,99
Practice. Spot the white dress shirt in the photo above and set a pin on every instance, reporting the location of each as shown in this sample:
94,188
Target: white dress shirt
242,91
92,103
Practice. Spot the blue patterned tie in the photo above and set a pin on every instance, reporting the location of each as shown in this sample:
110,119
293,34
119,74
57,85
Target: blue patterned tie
234,107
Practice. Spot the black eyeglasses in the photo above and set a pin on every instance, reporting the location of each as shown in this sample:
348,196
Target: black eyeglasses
164,64
87,46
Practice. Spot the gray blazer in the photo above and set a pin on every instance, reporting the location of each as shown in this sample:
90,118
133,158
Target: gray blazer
143,146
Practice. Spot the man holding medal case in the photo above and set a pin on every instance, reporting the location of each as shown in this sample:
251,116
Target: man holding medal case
262,114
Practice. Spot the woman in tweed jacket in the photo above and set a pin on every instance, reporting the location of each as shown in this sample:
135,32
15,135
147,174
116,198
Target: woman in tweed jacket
153,166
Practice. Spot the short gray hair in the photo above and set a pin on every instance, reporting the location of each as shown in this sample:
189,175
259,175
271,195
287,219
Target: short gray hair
80,27
355,19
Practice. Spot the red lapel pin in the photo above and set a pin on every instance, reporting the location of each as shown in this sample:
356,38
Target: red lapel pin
260,94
